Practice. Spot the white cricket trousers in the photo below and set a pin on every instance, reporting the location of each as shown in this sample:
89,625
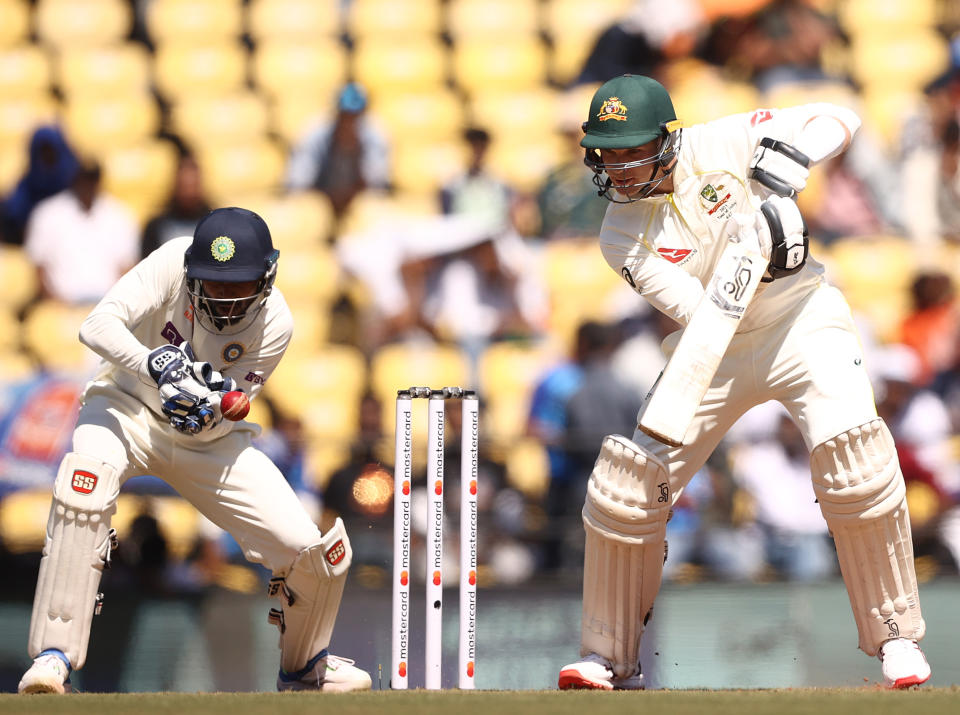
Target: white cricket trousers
810,360
228,480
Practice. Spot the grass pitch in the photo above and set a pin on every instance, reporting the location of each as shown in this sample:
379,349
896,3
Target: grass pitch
813,701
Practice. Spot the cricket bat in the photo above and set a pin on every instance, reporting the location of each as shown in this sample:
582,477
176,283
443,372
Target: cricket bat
675,396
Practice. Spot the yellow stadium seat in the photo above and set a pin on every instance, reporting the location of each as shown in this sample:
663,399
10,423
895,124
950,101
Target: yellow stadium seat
509,64
18,276
373,208
93,123
141,175
293,20
324,457
433,116
317,68
508,373
523,161
703,97
13,163
401,365
111,69
220,119
884,110
386,19
567,18
194,20
400,66
568,55
178,519
899,58
858,16
492,18
50,333
293,116
528,467
63,23
874,274
516,114
14,22
183,68
19,116
422,167
572,269
309,275
9,333
16,365
23,519
24,71
398,366
238,169
514,368
789,94
311,321
322,386
298,221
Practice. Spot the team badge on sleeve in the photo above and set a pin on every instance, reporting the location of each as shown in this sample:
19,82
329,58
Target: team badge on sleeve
222,248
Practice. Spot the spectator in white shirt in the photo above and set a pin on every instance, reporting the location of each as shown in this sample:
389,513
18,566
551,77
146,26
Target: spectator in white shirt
81,240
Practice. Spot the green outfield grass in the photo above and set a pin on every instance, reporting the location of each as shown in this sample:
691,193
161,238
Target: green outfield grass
860,701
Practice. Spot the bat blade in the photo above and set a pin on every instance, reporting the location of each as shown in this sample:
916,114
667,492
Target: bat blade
675,397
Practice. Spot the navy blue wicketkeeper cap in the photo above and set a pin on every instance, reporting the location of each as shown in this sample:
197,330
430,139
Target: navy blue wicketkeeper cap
231,245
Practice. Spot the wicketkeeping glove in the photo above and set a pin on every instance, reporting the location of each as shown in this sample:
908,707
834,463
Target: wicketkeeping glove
187,387
780,167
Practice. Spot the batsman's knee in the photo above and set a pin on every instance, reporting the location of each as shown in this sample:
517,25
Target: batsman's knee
856,475
628,491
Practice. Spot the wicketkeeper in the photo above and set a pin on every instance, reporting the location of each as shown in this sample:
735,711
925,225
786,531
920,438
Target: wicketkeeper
678,195
197,318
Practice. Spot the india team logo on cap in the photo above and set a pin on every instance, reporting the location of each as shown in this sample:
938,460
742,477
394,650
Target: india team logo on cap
222,248
613,108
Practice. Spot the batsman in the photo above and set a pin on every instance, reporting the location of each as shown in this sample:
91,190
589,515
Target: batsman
682,199
197,318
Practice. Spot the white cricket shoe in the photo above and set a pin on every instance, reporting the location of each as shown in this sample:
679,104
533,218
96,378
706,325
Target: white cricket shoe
326,672
593,672
48,674
903,663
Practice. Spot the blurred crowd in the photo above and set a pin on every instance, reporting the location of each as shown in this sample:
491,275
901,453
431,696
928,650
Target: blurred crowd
496,282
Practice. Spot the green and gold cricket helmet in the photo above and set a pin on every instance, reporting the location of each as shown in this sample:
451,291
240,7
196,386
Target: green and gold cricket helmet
627,112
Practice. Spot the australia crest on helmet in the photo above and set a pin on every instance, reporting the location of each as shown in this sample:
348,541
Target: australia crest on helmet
613,108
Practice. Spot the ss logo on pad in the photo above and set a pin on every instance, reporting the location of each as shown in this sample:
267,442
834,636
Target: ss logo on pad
83,482
336,553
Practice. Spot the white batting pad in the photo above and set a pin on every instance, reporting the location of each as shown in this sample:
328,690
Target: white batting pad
625,518
76,549
310,594
857,480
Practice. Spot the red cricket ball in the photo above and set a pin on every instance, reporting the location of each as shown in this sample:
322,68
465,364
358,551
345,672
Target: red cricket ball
234,405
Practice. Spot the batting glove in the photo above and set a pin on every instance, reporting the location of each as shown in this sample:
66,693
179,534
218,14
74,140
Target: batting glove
789,239
780,167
